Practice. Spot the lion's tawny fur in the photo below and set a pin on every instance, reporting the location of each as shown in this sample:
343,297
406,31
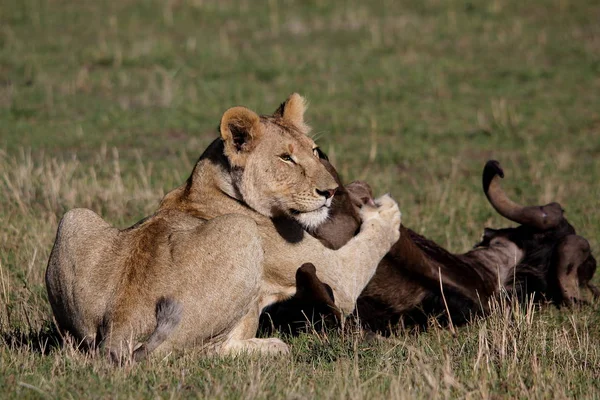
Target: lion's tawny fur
223,245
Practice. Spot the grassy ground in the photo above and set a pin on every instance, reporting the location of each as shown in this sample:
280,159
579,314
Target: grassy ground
107,105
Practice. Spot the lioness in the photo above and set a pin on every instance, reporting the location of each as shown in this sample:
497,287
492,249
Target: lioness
220,247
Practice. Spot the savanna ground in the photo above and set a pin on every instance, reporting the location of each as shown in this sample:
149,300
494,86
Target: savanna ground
107,105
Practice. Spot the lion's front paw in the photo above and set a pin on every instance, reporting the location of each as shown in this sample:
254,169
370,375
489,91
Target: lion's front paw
387,214
266,346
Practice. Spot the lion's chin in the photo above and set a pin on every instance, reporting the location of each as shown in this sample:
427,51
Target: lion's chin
312,219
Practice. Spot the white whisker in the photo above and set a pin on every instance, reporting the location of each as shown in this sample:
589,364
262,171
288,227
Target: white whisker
317,135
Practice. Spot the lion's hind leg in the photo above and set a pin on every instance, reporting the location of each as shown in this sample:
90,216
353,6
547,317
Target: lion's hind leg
117,340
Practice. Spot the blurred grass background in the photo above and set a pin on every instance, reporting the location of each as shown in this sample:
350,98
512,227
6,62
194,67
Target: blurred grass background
107,105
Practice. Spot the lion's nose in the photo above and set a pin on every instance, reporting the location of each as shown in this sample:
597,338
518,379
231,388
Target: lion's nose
327,193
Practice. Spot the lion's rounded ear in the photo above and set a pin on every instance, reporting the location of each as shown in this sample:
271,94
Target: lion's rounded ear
292,110
240,130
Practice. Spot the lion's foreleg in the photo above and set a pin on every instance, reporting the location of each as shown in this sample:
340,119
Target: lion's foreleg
242,338
355,263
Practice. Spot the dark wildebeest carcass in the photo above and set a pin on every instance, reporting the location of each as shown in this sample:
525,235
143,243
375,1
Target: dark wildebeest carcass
543,257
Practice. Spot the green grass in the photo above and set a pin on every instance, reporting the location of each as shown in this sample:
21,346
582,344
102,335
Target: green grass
107,105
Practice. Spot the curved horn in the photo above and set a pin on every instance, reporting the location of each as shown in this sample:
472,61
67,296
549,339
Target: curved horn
540,217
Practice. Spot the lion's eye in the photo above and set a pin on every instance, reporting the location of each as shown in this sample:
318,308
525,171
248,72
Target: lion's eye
287,158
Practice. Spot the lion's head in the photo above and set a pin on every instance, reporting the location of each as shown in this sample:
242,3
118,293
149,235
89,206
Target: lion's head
275,165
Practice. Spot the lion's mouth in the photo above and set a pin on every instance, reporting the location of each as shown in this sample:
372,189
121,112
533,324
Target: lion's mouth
310,220
327,204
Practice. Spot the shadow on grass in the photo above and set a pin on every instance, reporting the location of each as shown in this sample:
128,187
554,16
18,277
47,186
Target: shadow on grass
42,341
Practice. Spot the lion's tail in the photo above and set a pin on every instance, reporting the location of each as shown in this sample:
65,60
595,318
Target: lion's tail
168,316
